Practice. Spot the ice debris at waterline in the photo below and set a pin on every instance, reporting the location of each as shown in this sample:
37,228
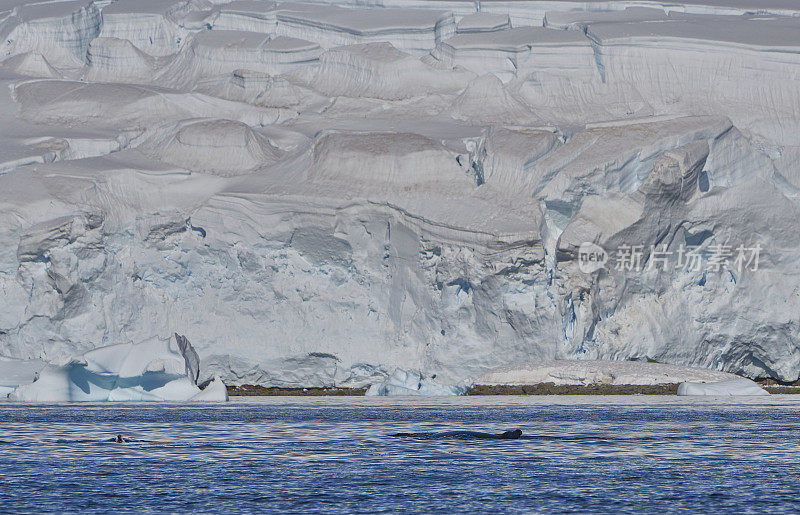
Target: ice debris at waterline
590,372
320,193
403,382
153,370
722,388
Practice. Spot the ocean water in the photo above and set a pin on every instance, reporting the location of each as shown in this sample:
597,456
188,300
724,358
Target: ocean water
635,454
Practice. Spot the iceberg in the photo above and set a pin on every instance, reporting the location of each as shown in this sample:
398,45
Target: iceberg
215,391
412,382
734,387
153,370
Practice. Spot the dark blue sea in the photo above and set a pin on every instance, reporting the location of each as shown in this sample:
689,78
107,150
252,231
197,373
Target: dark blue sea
636,454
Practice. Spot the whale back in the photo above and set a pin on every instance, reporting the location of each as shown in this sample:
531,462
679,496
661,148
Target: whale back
508,435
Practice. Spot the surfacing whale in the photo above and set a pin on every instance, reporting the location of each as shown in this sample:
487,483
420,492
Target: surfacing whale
464,435
119,439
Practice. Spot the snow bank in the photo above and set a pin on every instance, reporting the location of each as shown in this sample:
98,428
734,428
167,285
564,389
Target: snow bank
402,383
263,90
379,70
506,53
732,387
415,31
150,25
504,157
483,22
153,370
220,147
143,107
485,100
118,60
247,15
31,64
580,20
221,52
384,162
534,12
586,372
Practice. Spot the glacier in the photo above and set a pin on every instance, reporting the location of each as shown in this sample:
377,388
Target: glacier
341,193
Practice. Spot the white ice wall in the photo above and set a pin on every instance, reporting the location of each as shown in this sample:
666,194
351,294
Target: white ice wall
311,212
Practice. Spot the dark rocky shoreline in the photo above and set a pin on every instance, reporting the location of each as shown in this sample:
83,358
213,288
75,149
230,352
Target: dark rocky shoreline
569,389
275,391
535,389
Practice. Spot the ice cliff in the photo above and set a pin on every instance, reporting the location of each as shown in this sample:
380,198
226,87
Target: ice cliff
323,193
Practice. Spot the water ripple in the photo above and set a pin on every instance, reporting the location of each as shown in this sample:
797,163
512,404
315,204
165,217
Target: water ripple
625,455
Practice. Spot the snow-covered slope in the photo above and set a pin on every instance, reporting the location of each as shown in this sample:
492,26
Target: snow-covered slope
326,193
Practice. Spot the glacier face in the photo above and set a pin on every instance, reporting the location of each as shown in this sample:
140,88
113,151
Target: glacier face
335,193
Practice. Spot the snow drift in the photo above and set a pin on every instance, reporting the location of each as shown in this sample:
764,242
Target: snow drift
220,147
379,70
